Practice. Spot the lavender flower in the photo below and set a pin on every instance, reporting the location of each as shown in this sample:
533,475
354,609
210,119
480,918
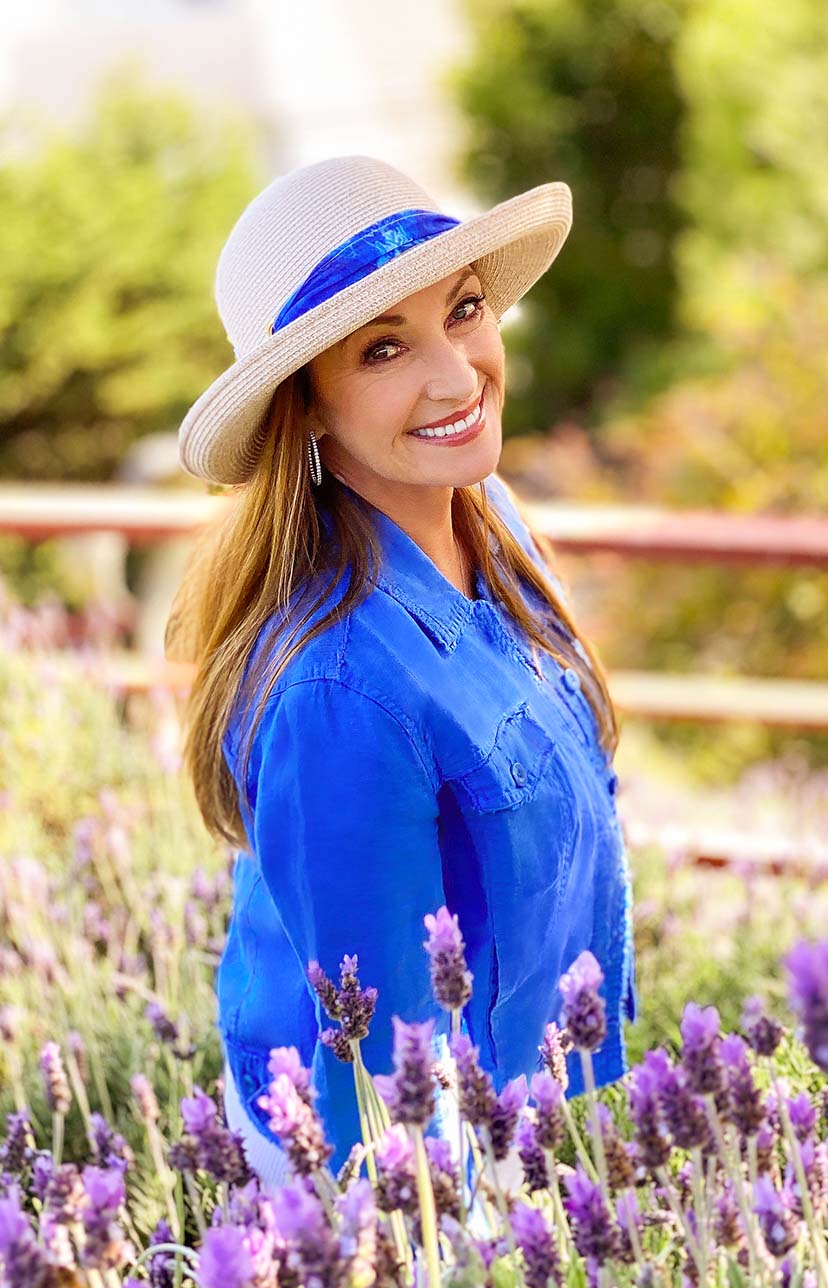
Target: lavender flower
24,1262
584,1008
145,1096
699,1056
477,1094
505,1115
532,1155
350,1004
207,1144
629,1218
409,1092
594,1232
727,1222
745,1107
224,1259
17,1148
762,1031
684,1112
807,967
58,1096
802,1115
556,1043
161,1267
357,1232
451,981
163,1027
620,1171
651,1135
297,1124
105,1247
776,1217
313,1250
534,1238
63,1195
548,1094
396,1175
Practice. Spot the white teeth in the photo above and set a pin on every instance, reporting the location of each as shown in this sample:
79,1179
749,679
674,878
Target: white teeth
445,431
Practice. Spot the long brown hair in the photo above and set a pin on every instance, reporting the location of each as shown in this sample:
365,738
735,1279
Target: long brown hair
258,561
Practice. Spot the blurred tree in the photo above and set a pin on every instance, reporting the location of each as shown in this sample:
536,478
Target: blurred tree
754,145
108,242
583,91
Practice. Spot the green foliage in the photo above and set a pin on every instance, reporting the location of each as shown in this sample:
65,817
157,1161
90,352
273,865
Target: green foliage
581,91
109,241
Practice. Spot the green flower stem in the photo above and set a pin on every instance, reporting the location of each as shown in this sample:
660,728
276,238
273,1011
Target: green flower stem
364,1124
661,1173
700,1210
57,1137
195,1202
580,1148
632,1229
462,1164
189,1253
592,1103
735,1174
817,1237
165,1174
374,1119
479,1169
501,1201
428,1210
557,1204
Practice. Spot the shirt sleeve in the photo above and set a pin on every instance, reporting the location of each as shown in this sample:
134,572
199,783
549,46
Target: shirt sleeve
345,826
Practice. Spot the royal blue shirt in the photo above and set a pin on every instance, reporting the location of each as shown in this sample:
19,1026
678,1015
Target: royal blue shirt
411,756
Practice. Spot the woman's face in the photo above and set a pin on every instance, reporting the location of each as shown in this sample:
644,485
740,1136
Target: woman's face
430,361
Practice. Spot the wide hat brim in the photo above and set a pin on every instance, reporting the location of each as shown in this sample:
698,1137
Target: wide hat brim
510,246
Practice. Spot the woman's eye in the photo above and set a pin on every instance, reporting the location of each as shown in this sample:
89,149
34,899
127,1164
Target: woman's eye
476,300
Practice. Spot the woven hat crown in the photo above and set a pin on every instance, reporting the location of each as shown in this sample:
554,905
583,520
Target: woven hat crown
290,226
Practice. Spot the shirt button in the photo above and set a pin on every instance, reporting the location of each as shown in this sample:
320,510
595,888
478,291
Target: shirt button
518,773
612,783
571,678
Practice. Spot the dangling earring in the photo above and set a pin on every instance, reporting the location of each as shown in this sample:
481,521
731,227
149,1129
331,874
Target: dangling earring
314,463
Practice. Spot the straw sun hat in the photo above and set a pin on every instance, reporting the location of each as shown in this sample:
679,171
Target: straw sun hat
326,248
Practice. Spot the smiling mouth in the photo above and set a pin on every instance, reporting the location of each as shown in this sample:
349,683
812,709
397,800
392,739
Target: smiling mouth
459,432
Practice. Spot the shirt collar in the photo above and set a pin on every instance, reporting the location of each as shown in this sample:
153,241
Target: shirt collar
411,578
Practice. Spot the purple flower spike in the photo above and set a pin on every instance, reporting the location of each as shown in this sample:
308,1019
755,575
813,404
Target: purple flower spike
224,1260
58,1096
301,1220
548,1095
397,1180
700,1056
556,1043
24,1262
807,967
451,981
534,1238
287,1060
477,1094
351,1004
532,1156
409,1093
585,1010
651,1135
802,1115
505,1115
198,1111
297,1124
776,1216
762,1031
745,1107
684,1112
594,1232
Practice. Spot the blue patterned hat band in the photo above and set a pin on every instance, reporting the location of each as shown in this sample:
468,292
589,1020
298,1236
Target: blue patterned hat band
360,255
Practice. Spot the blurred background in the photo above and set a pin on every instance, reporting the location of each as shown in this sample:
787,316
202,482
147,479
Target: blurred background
665,422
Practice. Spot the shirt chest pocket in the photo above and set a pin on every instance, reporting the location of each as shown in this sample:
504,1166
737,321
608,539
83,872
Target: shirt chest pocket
520,760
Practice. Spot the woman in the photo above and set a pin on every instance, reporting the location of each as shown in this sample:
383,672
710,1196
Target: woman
392,707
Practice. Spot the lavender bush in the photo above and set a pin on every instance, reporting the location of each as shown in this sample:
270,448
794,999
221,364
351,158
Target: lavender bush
706,1164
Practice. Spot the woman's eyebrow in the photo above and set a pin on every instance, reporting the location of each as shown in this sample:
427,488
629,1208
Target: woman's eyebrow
397,319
